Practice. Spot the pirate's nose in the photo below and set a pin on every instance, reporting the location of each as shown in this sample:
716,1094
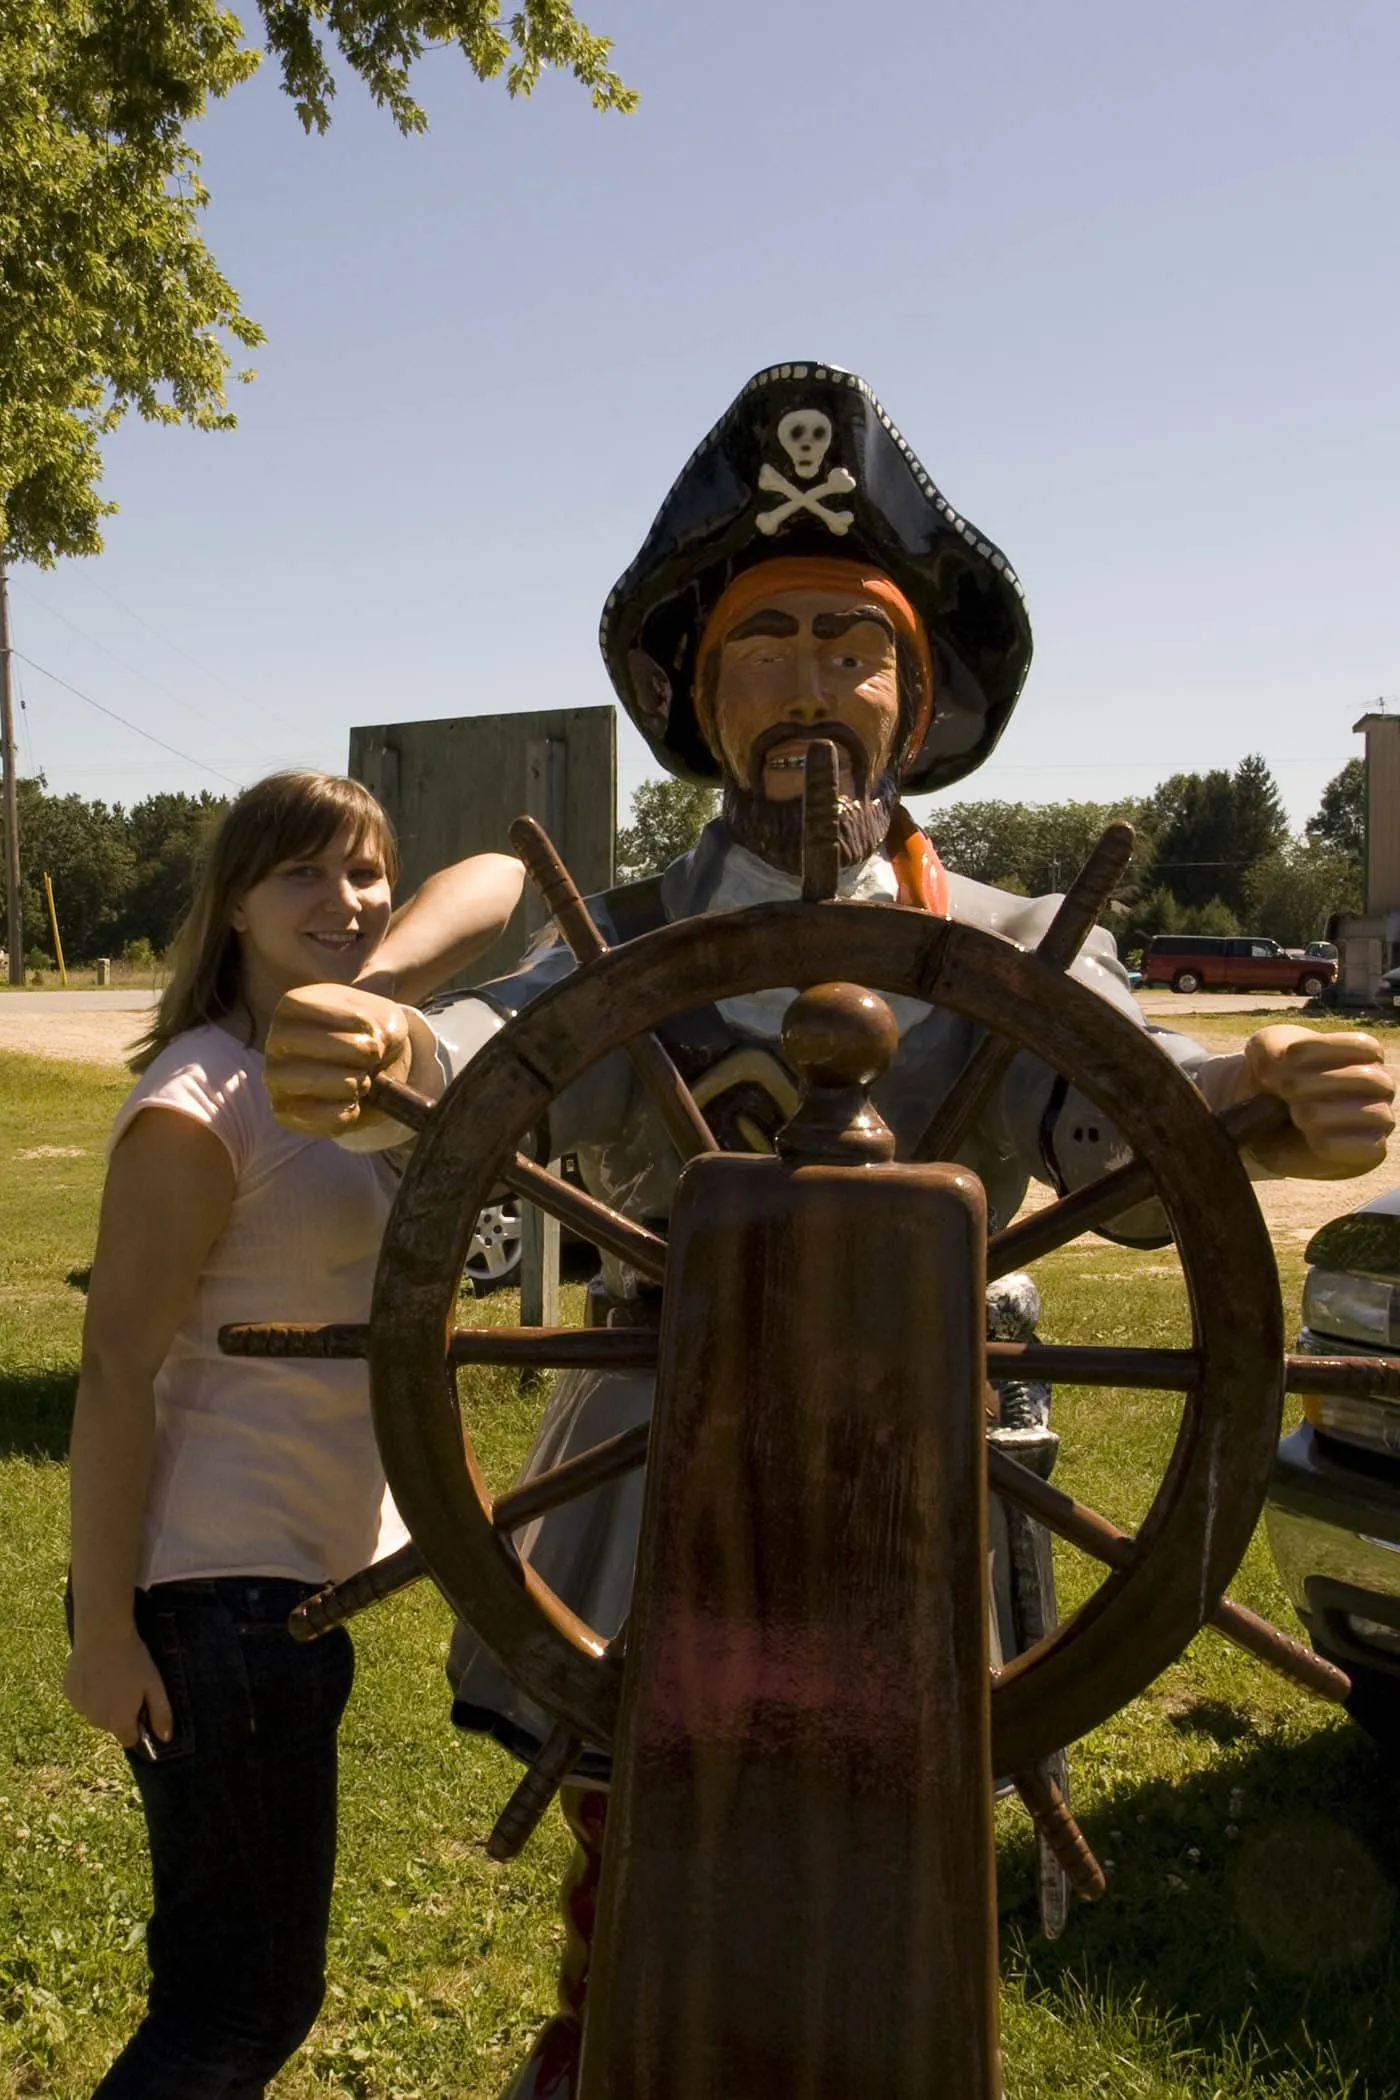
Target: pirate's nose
810,698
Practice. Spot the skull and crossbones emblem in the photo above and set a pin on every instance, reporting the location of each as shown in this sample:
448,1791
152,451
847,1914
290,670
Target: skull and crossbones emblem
805,436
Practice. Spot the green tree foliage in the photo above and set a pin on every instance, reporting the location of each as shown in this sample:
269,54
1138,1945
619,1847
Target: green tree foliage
1214,917
84,849
168,835
380,42
1158,911
1031,847
668,817
1290,895
109,299
1340,824
1211,828
120,877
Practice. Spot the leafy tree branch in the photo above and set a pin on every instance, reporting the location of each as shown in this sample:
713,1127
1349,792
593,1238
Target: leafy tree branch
109,298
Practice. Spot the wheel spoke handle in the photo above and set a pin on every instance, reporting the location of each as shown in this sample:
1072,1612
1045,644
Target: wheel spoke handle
574,1477
1153,1370
545,868
543,1348
642,1250
1174,1370
340,1601
1103,1541
548,1770
540,1782
1344,1377
1086,897
1127,1186
679,1111
1058,946
1051,1815
337,1338
404,1103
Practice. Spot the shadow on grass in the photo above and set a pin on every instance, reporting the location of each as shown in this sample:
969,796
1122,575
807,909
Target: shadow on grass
36,1413
1261,1898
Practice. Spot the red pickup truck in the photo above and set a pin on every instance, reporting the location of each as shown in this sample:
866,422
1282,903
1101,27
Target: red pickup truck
1193,962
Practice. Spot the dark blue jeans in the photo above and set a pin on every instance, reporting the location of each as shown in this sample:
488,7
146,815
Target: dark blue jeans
240,1807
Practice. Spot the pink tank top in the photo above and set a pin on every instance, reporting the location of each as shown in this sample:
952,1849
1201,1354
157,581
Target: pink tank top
266,1467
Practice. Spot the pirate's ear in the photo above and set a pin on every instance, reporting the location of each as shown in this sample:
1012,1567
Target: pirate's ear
920,676
651,691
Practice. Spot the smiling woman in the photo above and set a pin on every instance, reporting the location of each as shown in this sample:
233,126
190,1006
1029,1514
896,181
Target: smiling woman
300,862
209,1496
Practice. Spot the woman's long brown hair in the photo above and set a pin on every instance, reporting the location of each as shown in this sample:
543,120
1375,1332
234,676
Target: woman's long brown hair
288,816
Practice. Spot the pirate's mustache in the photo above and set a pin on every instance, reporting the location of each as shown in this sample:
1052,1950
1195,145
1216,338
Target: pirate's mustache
807,733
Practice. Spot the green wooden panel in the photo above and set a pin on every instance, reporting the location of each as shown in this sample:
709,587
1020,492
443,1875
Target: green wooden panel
453,787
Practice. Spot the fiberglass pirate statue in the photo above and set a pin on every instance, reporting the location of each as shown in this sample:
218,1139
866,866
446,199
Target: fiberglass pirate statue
804,579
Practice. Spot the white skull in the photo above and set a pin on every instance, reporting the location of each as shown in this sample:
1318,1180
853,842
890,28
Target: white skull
805,434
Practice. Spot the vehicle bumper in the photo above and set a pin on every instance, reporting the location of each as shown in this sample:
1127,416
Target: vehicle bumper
1334,1527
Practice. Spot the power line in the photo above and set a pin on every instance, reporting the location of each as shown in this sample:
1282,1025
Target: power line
144,676
134,727
208,669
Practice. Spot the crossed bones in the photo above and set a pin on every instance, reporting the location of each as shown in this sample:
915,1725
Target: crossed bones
838,483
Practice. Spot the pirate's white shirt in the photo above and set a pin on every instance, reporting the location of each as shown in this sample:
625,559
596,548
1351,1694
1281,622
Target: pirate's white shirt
1037,1127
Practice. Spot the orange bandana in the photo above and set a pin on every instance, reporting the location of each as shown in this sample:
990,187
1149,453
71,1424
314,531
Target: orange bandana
768,580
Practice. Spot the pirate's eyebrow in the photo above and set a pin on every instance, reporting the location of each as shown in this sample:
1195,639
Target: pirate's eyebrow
828,625
767,620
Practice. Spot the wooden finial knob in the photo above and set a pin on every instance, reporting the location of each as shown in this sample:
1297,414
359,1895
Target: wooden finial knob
839,1039
839,1035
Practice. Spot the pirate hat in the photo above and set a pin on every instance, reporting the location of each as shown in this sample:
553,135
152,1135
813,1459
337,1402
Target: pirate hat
804,462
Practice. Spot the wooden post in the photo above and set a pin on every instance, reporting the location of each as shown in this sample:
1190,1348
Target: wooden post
546,786
14,893
53,922
539,1265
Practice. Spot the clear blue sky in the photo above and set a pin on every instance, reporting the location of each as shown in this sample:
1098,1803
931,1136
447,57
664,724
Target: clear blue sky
1126,275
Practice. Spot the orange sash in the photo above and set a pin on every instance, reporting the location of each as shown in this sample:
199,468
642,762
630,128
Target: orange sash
923,881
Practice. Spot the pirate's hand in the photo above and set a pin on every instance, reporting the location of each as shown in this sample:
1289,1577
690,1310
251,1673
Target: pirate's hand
327,1042
1338,1093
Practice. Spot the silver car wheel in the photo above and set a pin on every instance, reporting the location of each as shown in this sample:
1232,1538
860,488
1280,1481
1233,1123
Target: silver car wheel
494,1255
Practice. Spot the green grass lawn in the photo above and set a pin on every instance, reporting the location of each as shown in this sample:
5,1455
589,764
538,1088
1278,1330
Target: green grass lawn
1247,1947
1231,1021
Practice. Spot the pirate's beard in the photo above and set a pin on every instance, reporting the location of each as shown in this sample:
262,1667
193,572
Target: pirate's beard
773,830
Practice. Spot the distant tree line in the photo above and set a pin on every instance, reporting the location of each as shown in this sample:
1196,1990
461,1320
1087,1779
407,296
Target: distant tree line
1214,855
1214,852
122,878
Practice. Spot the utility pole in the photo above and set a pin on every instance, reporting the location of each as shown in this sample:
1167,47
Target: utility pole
7,755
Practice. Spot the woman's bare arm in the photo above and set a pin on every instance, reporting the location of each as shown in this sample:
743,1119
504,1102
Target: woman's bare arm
452,919
168,1196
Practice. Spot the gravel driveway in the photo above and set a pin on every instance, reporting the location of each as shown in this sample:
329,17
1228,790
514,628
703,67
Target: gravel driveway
78,1027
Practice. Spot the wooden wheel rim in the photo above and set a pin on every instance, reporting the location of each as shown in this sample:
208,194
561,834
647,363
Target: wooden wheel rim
1208,1503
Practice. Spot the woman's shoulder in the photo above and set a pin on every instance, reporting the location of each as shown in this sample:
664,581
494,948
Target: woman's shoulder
207,1057
207,1074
